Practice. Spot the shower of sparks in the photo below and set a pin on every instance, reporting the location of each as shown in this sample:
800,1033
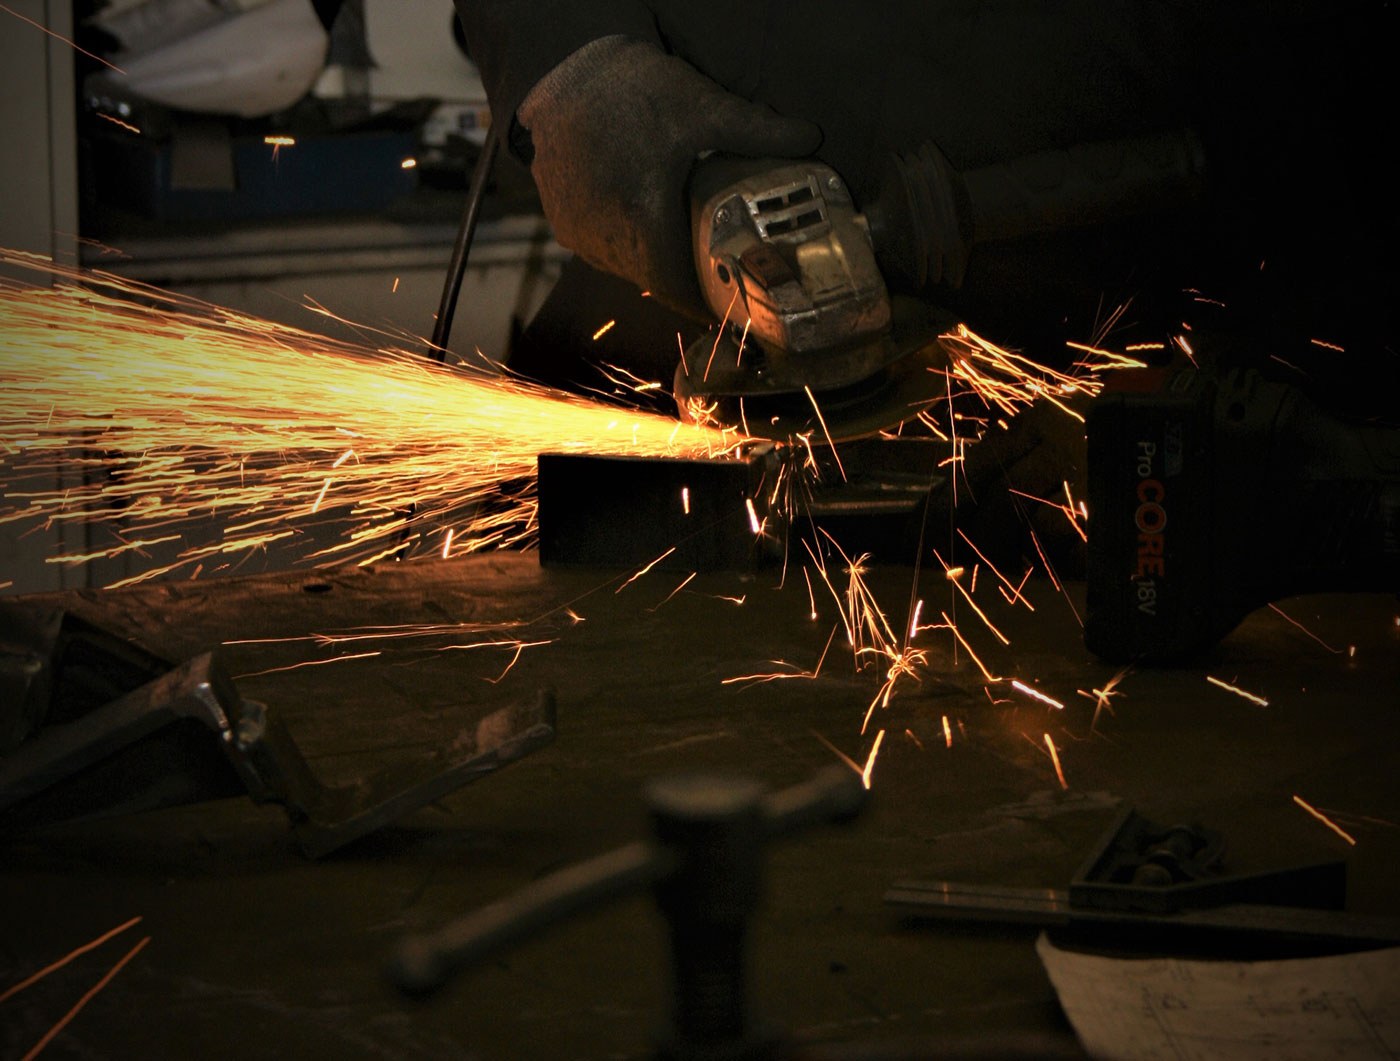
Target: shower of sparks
1238,691
1325,820
168,415
1011,382
1055,758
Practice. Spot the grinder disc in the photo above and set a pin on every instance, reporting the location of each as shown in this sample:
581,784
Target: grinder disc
907,379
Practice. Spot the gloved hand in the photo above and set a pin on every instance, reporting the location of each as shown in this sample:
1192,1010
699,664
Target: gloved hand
616,129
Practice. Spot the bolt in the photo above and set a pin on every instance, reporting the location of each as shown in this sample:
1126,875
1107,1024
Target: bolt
722,216
834,183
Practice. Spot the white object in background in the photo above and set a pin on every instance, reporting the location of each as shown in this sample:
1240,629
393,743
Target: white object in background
144,25
249,64
1171,1009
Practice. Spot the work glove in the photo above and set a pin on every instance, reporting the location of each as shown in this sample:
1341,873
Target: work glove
616,129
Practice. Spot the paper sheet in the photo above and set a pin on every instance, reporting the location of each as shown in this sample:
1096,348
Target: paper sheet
1168,1009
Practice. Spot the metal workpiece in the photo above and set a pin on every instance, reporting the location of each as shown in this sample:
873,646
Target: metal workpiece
684,514
705,868
189,736
1164,887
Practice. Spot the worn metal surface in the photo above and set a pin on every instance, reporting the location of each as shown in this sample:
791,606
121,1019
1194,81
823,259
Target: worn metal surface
247,935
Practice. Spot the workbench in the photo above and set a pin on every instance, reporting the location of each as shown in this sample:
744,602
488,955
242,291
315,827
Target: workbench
256,951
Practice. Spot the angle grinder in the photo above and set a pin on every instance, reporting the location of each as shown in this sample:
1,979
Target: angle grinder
818,327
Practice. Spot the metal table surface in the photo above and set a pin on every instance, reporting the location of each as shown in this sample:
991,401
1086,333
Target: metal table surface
256,951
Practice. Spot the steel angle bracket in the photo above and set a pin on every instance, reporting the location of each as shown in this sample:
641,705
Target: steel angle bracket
189,736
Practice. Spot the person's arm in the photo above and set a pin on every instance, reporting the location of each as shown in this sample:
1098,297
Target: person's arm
515,43
612,128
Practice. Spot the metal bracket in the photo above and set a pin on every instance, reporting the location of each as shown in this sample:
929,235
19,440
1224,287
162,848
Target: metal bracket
188,736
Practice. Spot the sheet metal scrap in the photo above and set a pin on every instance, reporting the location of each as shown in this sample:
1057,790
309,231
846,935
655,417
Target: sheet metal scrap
187,735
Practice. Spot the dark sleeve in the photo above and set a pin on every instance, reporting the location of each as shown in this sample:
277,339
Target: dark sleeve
514,43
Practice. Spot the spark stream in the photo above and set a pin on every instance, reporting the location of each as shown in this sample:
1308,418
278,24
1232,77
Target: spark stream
166,413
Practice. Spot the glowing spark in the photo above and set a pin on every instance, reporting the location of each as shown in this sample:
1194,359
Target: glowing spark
1102,696
1300,626
1135,347
914,622
520,646
738,602
55,966
1237,691
870,762
86,998
1067,509
1036,694
1055,758
753,516
310,663
687,581
910,734
604,330
1328,346
719,332
947,732
838,752
117,121
1015,590
822,420
117,551
1108,359
685,499
812,601
1325,820
44,29
409,163
574,616
395,289
958,634
952,574
280,141
644,570
760,679
316,507
447,543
